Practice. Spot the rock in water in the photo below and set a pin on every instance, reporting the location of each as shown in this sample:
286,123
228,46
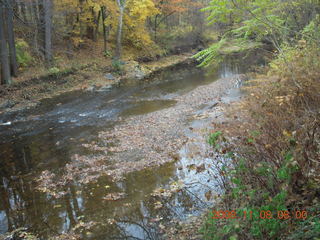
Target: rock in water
7,104
104,88
134,71
109,76
5,124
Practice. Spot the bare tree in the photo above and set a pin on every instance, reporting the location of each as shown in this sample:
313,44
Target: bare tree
122,6
105,29
45,27
5,65
48,30
11,40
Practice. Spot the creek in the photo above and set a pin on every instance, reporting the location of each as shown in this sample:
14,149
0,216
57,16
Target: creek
46,137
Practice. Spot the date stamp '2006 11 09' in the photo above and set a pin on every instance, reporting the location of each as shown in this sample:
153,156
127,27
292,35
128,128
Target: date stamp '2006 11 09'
282,214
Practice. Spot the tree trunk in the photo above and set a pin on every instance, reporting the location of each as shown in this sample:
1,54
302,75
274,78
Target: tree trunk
5,66
90,25
97,21
41,28
79,17
35,5
155,27
12,46
121,5
105,33
34,13
23,11
48,30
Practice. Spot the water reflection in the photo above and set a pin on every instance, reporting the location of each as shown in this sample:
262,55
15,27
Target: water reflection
22,206
46,138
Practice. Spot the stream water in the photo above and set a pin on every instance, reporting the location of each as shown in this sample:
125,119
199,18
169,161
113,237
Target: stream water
45,138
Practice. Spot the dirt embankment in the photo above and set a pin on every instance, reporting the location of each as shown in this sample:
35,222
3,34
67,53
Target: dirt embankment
90,76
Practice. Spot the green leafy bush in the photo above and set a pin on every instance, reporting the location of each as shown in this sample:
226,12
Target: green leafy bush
117,66
274,166
210,55
54,71
23,56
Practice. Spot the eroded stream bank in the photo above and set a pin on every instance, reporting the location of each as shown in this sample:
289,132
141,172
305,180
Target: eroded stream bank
105,157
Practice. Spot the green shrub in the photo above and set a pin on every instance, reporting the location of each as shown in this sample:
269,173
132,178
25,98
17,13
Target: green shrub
23,56
274,167
54,71
117,66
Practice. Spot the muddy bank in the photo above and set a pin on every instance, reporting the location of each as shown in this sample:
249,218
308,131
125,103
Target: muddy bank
89,77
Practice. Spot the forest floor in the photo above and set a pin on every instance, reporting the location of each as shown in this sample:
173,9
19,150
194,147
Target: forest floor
36,84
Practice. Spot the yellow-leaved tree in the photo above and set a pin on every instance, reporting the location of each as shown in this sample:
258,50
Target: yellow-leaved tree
139,12
132,21
122,21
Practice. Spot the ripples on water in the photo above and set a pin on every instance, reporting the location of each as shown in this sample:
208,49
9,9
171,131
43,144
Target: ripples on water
47,136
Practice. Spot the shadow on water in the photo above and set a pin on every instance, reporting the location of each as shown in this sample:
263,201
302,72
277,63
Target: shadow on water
45,138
